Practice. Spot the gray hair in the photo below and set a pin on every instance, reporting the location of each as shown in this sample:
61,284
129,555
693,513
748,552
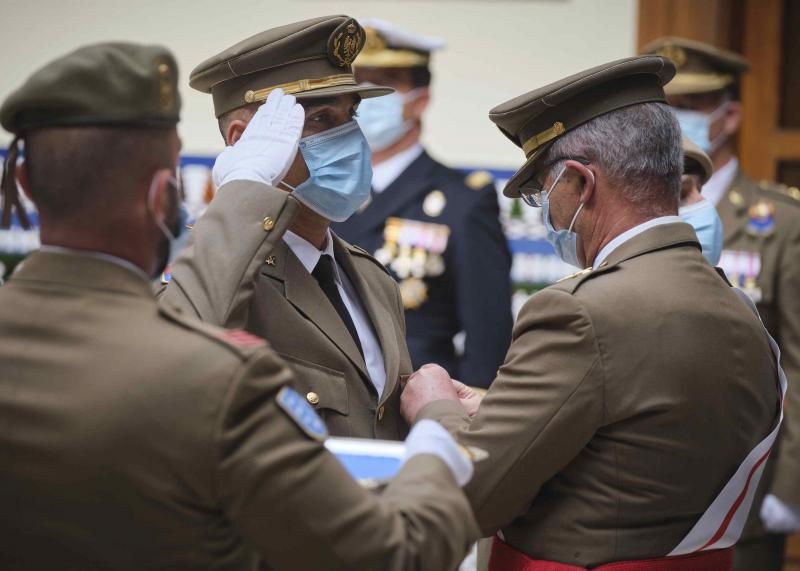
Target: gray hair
638,148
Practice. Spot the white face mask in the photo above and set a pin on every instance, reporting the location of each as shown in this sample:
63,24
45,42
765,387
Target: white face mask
381,118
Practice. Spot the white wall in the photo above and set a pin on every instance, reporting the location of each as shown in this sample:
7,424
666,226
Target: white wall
497,50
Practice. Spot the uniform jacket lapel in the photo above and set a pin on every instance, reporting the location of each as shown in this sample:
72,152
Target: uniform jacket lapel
410,183
301,290
379,315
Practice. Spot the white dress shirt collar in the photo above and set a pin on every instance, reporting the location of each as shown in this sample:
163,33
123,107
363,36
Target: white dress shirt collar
606,250
720,181
386,172
308,253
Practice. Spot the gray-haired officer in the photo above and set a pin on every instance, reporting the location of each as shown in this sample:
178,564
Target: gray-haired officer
436,230
640,396
136,437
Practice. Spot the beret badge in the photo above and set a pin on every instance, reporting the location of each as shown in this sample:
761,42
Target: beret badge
674,53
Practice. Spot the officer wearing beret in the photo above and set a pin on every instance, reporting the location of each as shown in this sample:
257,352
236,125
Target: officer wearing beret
630,418
436,231
761,255
263,258
137,437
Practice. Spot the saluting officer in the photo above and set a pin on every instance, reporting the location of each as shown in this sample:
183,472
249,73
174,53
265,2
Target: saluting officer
641,395
263,258
435,229
134,436
760,255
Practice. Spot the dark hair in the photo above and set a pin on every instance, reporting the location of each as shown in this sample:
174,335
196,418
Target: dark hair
78,174
420,76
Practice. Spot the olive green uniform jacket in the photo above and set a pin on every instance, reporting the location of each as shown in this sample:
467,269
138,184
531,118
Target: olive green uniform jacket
775,243
135,438
629,397
238,272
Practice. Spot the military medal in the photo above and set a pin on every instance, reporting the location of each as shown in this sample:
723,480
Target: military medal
413,292
761,218
742,269
434,203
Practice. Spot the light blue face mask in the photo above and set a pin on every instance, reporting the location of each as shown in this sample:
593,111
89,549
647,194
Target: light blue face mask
706,223
339,161
696,125
381,119
565,242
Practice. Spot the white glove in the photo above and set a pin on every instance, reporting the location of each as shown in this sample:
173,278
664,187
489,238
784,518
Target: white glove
779,517
430,437
268,145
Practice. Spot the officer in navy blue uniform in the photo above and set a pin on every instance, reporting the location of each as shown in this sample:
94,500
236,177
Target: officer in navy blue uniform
436,229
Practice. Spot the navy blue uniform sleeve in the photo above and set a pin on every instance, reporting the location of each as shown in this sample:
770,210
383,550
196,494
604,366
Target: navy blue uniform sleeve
483,290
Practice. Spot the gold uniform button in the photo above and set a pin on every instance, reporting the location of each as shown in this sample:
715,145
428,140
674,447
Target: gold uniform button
268,223
380,413
312,398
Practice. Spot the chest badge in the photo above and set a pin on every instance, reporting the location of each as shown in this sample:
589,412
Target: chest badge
413,292
761,218
434,203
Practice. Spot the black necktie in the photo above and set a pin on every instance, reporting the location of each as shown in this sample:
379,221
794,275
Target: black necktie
324,275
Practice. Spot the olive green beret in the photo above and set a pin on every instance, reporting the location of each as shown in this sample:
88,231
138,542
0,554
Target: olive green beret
701,67
312,58
98,85
695,161
536,119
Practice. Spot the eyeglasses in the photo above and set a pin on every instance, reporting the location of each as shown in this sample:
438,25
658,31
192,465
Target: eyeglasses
532,192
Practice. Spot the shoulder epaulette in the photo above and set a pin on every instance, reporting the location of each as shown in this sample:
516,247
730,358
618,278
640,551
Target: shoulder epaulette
477,180
572,282
781,191
359,251
238,341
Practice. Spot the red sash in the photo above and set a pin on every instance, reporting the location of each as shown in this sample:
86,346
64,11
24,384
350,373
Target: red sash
506,558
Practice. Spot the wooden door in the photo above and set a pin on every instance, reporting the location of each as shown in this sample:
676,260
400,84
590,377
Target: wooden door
764,31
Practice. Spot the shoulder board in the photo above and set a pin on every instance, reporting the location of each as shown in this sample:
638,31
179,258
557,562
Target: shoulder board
361,252
782,192
477,180
572,282
238,341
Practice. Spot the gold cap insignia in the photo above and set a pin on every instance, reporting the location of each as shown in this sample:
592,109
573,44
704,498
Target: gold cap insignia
675,53
345,43
374,42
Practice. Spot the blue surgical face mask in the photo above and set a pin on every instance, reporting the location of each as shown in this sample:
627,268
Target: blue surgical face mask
696,125
339,161
565,242
706,223
381,118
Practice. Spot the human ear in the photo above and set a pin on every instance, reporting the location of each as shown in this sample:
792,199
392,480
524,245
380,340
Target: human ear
234,131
